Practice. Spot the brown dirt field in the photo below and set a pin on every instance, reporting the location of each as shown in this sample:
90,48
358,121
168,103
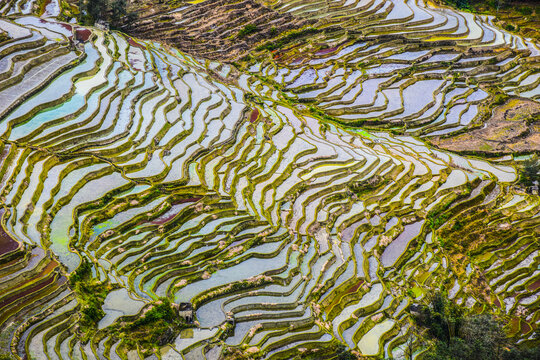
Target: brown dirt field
514,127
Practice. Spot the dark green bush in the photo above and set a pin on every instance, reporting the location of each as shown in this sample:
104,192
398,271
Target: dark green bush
457,336
92,313
460,4
293,35
3,37
499,99
82,272
114,12
162,311
530,173
247,29
509,27
524,10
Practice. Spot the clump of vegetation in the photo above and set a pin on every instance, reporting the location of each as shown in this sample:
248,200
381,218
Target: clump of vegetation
113,12
3,37
530,173
438,217
499,99
335,352
525,10
321,114
293,35
460,4
367,186
436,220
157,327
83,272
247,29
161,310
91,309
455,335
91,295
154,328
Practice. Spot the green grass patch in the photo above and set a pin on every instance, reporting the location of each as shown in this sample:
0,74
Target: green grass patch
292,35
247,30
159,326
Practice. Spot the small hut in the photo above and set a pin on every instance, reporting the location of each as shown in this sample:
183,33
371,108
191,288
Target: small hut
185,310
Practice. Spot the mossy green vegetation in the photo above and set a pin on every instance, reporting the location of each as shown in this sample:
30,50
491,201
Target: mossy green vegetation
3,37
158,325
512,15
452,332
289,36
247,30
114,12
530,172
91,294
247,192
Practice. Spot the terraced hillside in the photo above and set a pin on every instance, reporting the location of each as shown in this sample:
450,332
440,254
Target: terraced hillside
292,196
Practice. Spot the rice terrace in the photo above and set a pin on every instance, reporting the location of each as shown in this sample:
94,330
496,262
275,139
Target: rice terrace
270,179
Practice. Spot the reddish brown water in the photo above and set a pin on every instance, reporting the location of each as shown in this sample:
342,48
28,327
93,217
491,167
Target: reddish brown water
7,243
82,34
525,327
254,115
535,285
350,290
30,290
134,43
326,51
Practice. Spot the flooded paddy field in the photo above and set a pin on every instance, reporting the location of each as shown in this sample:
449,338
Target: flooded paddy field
299,198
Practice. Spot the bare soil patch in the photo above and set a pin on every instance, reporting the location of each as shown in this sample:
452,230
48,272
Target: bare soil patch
514,127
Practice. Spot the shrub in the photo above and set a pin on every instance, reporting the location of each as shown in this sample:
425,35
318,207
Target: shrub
530,173
247,29
3,37
295,34
499,99
525,10
455,335
161,311
113,12
509,27
82,272
460,4
118,10
92,313
436,220
157,327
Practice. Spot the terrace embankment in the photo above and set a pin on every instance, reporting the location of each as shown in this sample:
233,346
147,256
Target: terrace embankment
193,180
30,280
216,29
517,16
513,127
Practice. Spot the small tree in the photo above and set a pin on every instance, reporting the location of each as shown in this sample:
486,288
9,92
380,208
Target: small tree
118,11
97,9
484,336
530,172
